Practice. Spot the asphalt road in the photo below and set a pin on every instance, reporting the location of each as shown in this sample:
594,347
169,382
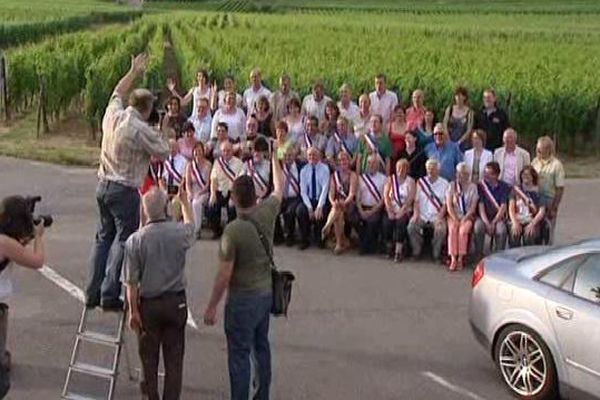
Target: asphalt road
359,328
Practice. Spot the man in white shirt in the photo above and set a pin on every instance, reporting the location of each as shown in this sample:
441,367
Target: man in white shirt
369,205
258,167
347,107
314,188
279,99
225,169
383,101
511,158
255,90
202,121
314,104
429,211
231,115
174,169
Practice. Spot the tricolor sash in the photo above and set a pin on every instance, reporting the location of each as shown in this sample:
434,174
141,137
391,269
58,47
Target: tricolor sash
308,142
372,143
339,186
289,176
342,144
526,199
224,165
371,186
488,194
156,171
197,172
396,190
173,173
260,182
425,186
460,197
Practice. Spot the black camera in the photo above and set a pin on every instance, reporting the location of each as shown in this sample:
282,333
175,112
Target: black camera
46,219
158,110
17,217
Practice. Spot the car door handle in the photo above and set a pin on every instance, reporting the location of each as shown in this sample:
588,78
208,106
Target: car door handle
564,313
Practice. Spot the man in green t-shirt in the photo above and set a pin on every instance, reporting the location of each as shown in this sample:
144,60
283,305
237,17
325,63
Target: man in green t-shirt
245,272
375,141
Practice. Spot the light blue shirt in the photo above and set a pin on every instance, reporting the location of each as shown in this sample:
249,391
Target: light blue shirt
334,147
202,127
322,175
449,155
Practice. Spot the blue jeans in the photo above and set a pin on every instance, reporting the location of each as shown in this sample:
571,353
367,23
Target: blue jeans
119,208
247,319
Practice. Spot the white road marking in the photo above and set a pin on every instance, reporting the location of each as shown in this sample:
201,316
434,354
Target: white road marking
76,292
454,388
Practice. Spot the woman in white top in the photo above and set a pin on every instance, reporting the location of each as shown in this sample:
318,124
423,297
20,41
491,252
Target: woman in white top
201,90
477,157
17,229
362,122
294,119
197,184
218,97
398,195
525,210
233,116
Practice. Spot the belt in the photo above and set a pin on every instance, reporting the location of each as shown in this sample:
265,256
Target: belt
165,295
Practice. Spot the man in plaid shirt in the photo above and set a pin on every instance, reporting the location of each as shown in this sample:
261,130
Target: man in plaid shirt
128,142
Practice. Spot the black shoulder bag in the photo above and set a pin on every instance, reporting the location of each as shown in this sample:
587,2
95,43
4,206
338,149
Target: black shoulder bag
282,280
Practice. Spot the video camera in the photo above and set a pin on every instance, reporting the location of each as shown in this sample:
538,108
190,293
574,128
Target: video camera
46,219
158,109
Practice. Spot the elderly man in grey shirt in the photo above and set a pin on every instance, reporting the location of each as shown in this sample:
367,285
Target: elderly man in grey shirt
154,268
128,142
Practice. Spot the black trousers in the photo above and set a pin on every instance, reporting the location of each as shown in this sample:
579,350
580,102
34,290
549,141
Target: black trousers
306,223
395,230
368,233
288,213
214,212
163,322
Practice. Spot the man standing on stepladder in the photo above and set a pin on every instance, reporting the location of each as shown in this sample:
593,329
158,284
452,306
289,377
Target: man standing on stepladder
128,142
245,271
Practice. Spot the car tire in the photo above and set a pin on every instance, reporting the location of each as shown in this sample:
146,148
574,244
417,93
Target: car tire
525,364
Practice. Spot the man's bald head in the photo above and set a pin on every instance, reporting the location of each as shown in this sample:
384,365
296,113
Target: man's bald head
155,204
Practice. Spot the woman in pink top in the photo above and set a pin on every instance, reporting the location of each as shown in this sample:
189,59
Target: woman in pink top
396,130
187,143
416,112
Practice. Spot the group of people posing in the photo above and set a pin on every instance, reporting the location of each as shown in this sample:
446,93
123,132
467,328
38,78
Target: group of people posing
391,174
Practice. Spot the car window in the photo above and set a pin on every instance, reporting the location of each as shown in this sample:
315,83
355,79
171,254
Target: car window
587,279
561,275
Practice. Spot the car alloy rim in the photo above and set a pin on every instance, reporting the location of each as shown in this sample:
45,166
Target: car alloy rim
522,363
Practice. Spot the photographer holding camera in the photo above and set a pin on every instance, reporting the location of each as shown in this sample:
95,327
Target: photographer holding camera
17,230
128,142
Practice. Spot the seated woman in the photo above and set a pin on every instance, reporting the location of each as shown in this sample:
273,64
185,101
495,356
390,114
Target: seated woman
461,202
283,139
525,211
397,128
197,181
342,191
264,116
329,124
398,196
478,156
187,143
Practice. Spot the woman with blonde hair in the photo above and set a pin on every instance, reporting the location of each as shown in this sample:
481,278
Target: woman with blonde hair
398,196
342,191
461,202
197,184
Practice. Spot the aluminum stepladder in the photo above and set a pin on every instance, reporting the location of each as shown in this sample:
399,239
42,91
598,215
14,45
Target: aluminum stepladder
116,343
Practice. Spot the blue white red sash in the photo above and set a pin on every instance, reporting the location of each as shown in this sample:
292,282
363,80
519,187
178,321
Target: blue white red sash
197,172
173,173
460,195
371,186
526,199
426,187
259,180
488,194
156,173
229,173
339,186
342,144
372,143
289,176
308,142
396,190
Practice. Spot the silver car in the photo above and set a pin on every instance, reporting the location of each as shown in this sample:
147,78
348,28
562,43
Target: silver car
537,311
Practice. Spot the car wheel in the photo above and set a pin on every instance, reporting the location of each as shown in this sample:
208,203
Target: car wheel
525,364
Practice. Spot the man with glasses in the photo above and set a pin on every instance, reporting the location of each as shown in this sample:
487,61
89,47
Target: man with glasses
445,151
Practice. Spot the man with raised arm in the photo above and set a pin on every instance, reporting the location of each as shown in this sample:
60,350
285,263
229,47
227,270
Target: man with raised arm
245,273
128,142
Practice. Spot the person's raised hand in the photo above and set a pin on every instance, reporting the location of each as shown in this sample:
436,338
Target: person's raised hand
215,88
171,84
138,63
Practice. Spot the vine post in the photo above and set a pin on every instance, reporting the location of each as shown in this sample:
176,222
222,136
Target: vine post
4,88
